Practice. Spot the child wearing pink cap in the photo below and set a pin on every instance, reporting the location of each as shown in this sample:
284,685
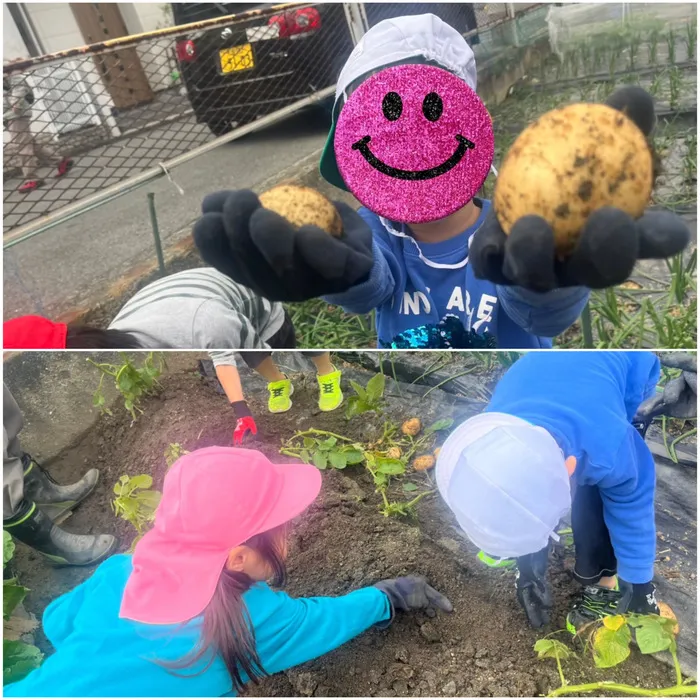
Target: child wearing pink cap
191,614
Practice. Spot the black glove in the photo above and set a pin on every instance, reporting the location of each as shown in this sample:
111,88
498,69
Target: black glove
261,250
679,399
532,586
412,593
637,598
610,243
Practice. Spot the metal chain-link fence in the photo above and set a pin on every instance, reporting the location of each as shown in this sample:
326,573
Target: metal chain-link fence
86,119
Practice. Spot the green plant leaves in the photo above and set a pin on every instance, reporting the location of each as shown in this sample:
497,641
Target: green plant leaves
551,649
442,424
355,406
18,659
12,595
375,388
354,456
611,646
359,390
652,633
390,467
8,547
338,460
142,481
409,487
305,456
320,459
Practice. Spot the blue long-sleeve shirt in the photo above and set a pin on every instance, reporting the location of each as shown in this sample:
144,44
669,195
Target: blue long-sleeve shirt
414,301
587,400
99,654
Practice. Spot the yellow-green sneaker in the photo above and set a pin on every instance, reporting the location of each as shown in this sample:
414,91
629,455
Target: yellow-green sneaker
330,396
280,396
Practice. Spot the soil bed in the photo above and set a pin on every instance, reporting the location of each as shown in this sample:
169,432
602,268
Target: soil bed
343,542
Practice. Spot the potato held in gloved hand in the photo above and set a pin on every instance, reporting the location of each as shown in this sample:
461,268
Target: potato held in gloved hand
291,244
570,200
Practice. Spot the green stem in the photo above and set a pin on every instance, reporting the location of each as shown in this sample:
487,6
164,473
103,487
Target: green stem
587,327
449,379
676,690
315,431
677,665
412,503
672,448
559,668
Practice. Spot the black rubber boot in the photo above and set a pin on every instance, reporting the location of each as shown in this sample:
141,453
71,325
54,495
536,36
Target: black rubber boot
55,500
34,528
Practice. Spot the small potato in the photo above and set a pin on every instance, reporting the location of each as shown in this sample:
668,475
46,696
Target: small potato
394,453
571,162
303,206
411,427
436,452
665,611
420,464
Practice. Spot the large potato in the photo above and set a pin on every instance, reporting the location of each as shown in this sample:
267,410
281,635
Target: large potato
570,162
302,206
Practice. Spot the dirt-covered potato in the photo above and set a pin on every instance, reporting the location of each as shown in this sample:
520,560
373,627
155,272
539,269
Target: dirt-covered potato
411,427
570,162
302,206
423,462
666,611
394,453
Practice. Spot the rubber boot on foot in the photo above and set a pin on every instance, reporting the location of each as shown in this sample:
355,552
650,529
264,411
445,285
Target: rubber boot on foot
55,500
33,527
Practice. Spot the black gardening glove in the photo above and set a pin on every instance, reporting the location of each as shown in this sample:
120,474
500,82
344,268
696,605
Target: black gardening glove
679,399
532,586
261,250
637,598
412,593
609,245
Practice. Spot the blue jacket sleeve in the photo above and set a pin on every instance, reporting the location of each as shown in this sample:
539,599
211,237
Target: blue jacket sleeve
300,629
545,315
627,490
372,293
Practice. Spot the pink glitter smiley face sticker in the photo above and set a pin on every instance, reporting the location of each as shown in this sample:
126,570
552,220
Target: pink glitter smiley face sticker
414,143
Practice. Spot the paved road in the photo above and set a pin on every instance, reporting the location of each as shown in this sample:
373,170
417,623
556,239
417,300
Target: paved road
73,262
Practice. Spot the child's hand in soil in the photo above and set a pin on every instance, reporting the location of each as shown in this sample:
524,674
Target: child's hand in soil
243,427
608,246
533,590
413,593
260,249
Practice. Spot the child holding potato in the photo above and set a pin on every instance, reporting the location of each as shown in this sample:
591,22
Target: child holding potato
414,144
191,614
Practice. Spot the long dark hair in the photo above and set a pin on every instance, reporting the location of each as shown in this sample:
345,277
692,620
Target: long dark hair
89,338
227,630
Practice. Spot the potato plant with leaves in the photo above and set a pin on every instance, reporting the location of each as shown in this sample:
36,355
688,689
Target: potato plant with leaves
18,657
367,398
136,502
609,642
173,452
132,381
385,458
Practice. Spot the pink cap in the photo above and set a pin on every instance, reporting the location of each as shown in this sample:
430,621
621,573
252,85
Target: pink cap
214,499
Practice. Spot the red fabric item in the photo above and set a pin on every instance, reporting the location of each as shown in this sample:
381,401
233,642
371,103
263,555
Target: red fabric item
243,425
33,333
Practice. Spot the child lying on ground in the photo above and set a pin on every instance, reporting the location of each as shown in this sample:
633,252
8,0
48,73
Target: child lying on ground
559,434
439,270
191,614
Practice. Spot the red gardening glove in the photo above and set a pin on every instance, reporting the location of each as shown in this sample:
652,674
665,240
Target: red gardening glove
243,425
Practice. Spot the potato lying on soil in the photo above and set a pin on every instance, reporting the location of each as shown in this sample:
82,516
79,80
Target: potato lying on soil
665,611
570,162
394,453
420,464
303,206
411,427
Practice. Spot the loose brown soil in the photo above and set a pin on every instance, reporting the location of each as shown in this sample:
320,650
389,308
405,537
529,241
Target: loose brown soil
484,648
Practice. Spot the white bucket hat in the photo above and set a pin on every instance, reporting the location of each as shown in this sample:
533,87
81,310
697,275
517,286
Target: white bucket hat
506,482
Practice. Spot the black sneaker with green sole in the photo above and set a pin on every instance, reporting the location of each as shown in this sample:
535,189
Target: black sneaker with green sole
596,603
